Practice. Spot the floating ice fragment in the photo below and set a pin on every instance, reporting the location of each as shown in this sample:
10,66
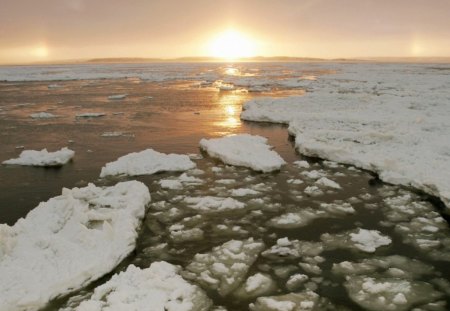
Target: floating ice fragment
364,240
67,242
43,115
157,288
147,162
91,115
117,97
225,267
244,150
43,157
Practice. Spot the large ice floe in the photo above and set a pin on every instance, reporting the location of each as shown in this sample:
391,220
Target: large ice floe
244,150
390,119
43,157
67,242
157,288
147,162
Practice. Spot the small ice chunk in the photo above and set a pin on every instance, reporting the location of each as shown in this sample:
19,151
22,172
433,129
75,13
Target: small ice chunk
43,157
117,97
213,204
256,285
242,192
244,150
302,164
361,239
91,115
295,281
306,300
369,240
158,287
43,115
325,182
380,294
147,162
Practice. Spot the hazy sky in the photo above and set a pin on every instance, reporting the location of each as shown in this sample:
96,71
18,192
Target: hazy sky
33,30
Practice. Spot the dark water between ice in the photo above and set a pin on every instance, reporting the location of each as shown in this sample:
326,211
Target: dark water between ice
174,119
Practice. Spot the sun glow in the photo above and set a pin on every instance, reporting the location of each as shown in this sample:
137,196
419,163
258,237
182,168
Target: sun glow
232,44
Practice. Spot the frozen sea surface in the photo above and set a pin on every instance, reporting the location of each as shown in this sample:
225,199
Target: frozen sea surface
314,235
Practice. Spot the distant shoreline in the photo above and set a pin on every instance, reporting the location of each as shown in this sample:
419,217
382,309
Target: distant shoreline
259,59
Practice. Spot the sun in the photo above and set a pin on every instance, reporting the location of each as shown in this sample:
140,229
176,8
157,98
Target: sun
231,44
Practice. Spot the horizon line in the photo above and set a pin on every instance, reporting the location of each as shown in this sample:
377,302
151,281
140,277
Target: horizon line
131,59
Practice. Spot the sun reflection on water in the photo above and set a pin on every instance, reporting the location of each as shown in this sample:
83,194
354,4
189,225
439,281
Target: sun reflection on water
230,104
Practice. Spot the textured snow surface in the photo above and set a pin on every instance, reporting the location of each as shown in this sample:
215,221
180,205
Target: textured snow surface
67,242
225,267
147,162
244,150
157,288
387,118
43,157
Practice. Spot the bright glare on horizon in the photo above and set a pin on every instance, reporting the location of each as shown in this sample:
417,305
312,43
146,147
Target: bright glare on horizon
232,44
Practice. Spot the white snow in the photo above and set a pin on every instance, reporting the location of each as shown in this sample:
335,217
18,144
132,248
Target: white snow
147,162
157,288
244,150
388,118
43,157
43,115
67,242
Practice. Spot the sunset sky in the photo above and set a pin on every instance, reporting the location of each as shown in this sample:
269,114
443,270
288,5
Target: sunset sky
48,30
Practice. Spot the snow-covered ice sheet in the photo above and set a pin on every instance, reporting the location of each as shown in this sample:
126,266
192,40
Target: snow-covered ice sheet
147,162
244,150
157,288
388,118
43,157
67,242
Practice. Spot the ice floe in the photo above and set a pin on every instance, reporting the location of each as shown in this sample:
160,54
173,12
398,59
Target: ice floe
244,150
389,119
43,157
67,242
157,288
225,267
147,162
